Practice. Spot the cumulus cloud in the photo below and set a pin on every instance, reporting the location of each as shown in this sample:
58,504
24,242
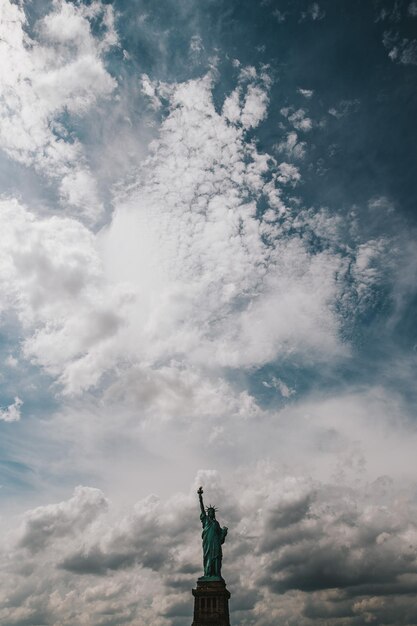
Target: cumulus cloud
254,107
12,412
292,147
195,232
51,278
48,523
60,70
248,107
298,119
11,361
355,552
288,173
338,550
155,91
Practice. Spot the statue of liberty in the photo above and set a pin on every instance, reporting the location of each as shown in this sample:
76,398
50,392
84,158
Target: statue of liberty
213,537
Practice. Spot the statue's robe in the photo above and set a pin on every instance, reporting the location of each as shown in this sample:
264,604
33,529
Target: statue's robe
213,537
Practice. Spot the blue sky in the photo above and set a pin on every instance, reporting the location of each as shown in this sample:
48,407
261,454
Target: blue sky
208,276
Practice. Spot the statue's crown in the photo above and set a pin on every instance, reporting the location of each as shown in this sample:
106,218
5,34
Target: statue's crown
210,507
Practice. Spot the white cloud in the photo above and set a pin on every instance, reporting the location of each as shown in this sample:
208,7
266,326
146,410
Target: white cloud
11,361
306,93
51,276
281,16
255,106
400,50
381,204
155,313
79,189
314,12
412,8
61,70
295,313
49,523
231,107
186,284
248,73
298,119
344,107
149,88
196,45
370,266
12,412
288,173
279,385
292,147
248,107
194,232
405,52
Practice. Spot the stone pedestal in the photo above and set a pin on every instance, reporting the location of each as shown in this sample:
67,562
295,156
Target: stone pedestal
211,603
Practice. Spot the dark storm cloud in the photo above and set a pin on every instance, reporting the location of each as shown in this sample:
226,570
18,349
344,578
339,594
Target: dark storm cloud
188,568
288,513
339,542
178,609
96,562
338,607
146,539
48,523
149,554
336,545
364,610
245,599
182,583
338,548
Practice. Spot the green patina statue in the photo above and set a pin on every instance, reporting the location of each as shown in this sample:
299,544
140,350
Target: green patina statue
213,537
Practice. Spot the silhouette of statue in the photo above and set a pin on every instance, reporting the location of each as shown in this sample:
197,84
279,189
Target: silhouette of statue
213,538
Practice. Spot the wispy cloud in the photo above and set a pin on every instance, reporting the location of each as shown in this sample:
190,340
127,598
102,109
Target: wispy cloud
314,12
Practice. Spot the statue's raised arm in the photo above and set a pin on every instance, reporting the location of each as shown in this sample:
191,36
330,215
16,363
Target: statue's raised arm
200,497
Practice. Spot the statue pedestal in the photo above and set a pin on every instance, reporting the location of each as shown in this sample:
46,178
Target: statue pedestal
211,603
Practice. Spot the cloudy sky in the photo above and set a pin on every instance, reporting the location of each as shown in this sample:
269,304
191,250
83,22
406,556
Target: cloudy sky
208,272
